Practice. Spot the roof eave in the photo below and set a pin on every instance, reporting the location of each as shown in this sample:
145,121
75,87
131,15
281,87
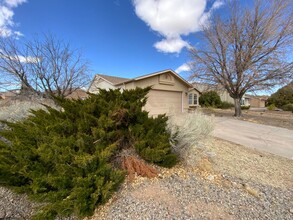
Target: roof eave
155,74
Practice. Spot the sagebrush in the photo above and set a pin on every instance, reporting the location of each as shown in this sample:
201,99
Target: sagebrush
65,159
189,134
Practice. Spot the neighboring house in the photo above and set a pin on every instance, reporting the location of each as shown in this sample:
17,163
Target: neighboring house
245,101
77,94
257,101
224,95
169,93
105,82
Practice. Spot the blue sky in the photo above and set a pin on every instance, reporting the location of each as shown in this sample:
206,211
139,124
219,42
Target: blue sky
125,38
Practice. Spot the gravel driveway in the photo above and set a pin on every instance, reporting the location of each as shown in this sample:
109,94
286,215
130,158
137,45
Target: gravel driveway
271,139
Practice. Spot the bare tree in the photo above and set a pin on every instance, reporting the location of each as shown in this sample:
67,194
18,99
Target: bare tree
43,65
246,49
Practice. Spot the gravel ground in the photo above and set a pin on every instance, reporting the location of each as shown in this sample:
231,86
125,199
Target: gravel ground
242,184
237,183
191,197
13,206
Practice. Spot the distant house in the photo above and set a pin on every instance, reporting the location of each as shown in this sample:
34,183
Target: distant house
257,101
224,95
170,93
77,94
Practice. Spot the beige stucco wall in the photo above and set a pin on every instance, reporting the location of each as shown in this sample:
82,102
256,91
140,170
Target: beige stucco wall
156,84
100,84
225,97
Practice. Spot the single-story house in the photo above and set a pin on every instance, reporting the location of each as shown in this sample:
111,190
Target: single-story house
257,101
170,93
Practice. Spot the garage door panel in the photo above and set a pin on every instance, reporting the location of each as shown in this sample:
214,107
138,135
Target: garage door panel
160,102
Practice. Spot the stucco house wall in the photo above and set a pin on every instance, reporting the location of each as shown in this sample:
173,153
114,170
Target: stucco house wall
169,93
99,83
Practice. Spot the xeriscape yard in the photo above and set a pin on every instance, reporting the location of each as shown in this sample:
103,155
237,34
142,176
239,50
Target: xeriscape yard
232,182
239,183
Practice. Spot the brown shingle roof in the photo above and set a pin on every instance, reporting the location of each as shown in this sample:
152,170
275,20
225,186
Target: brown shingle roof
113,79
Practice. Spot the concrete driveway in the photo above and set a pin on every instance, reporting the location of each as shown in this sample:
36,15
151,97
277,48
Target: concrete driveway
275,140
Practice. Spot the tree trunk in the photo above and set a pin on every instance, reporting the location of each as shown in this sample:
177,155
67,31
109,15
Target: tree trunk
237,107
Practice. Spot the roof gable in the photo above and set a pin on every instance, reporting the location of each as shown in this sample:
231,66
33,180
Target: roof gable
117,81
158,73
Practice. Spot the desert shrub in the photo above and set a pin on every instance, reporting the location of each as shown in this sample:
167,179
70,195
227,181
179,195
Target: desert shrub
271,107
288,107
210,99
66,158
226,105
245,107
189,133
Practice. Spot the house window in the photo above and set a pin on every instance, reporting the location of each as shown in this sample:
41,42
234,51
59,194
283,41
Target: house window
195,99
190,99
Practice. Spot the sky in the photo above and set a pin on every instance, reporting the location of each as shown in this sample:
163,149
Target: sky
125,38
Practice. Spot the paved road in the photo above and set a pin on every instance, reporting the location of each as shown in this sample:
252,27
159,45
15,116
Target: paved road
275,140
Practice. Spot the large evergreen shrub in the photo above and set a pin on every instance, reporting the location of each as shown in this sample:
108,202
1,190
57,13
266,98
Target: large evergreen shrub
210,99
65,158
288,107
282,97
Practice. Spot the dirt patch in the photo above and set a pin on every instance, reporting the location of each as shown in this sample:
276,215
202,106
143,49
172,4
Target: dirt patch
281,119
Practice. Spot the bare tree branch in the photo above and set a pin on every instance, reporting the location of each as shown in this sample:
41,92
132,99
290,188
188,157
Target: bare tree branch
247,49
44,65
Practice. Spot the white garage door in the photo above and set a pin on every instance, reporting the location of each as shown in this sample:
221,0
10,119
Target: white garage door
160,102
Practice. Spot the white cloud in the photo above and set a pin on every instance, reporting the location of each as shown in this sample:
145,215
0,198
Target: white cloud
6,17
183,68
171,45
217,4
28,59
14,3
172,19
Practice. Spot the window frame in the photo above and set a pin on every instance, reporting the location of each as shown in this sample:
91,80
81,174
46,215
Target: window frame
192,99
